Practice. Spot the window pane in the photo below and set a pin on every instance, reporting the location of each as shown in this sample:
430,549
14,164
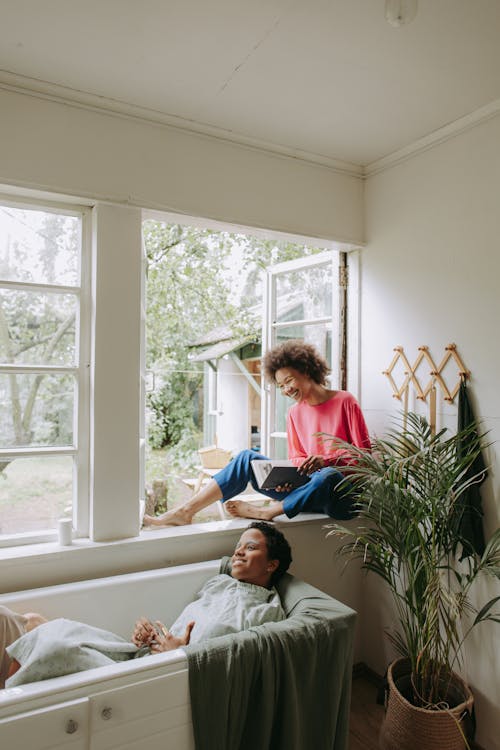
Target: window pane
37,329
34,493
314,298
36,410
279,447
317,334
39,246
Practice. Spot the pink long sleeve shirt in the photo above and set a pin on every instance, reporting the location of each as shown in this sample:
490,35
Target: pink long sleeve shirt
340,416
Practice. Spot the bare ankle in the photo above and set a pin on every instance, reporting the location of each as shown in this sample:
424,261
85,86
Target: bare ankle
180,516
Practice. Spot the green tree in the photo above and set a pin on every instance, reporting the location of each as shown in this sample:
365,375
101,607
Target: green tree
36,327
197,280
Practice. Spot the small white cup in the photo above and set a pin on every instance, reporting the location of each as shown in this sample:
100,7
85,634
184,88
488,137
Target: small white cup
65,531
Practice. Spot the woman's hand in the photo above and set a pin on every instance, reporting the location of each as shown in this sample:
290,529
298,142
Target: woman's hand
144,633
165,641
312,464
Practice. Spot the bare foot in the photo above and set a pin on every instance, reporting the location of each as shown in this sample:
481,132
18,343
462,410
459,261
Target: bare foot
176,517
241,509
33,620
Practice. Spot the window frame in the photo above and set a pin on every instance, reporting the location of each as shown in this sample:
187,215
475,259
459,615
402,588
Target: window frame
270,436
80,450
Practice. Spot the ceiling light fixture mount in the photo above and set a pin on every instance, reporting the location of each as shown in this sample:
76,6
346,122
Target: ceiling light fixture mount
400,12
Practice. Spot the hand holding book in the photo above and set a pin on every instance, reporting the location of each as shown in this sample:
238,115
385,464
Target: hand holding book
278,474
311,464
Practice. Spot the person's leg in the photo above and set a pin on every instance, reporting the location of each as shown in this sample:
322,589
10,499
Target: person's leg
228,482
183,514
242,509
327,492
12,627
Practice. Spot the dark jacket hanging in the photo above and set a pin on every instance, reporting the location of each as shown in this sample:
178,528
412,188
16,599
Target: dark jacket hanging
470,512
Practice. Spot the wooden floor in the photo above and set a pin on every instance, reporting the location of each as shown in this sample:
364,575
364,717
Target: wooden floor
366,715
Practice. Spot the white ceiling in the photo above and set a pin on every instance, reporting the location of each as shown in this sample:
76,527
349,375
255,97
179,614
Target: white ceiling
325,79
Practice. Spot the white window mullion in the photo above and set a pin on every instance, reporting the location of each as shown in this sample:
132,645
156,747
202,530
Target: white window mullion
81,484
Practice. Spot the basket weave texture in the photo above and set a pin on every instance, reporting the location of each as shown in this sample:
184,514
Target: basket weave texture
408,727
214,458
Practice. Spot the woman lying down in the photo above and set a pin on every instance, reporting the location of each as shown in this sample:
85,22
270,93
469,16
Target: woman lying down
33,648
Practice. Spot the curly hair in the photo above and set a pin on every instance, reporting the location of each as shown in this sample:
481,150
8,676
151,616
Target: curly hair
277,547
297,354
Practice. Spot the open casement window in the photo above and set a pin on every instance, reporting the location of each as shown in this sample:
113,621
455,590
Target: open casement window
44,370
302,300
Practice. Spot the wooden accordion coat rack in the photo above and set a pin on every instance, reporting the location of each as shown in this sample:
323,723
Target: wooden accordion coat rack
412,377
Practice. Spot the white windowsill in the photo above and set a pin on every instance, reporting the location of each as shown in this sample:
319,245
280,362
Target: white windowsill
35,565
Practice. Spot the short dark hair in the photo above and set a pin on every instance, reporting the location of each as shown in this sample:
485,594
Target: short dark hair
297,354
277,547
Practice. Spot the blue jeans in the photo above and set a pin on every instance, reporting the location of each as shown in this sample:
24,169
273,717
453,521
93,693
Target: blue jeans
320,495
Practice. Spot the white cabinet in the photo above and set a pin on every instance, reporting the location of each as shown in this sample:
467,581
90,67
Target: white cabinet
154,714
60,727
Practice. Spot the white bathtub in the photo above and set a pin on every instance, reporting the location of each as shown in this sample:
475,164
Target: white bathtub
141,704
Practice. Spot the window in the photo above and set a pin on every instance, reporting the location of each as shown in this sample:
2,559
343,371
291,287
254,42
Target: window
205,297
43,370
300,303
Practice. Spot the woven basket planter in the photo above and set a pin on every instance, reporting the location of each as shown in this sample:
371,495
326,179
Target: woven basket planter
408,727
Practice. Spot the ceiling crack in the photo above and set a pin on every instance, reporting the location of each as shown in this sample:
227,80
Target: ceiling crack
256,46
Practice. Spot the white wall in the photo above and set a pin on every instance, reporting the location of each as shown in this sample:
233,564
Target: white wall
82,152
430,277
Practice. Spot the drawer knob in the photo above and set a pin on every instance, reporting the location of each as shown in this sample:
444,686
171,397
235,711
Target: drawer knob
71,726
107,713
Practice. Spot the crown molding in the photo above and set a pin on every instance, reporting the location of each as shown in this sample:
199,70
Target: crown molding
446,133
115,107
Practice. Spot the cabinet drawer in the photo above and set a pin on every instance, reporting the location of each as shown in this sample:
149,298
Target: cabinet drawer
58,727
144,712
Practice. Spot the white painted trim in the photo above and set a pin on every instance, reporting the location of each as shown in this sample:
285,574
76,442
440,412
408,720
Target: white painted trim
451,130
171,217
81,484
38,369
302,322
117,108
354,324
304,262
33,286
39,451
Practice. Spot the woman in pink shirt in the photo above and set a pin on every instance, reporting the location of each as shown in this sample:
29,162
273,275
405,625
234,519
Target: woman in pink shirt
299,372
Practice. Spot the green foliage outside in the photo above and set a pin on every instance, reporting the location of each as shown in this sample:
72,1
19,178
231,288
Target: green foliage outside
198,280
37,328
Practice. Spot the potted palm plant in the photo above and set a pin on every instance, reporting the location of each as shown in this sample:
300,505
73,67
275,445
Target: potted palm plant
411,489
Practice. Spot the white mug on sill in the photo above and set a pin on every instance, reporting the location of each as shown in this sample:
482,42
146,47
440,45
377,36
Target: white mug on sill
65,531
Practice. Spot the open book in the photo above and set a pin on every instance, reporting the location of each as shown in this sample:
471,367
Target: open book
275,473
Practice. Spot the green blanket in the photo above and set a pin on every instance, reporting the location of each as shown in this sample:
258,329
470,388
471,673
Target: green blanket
278,686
